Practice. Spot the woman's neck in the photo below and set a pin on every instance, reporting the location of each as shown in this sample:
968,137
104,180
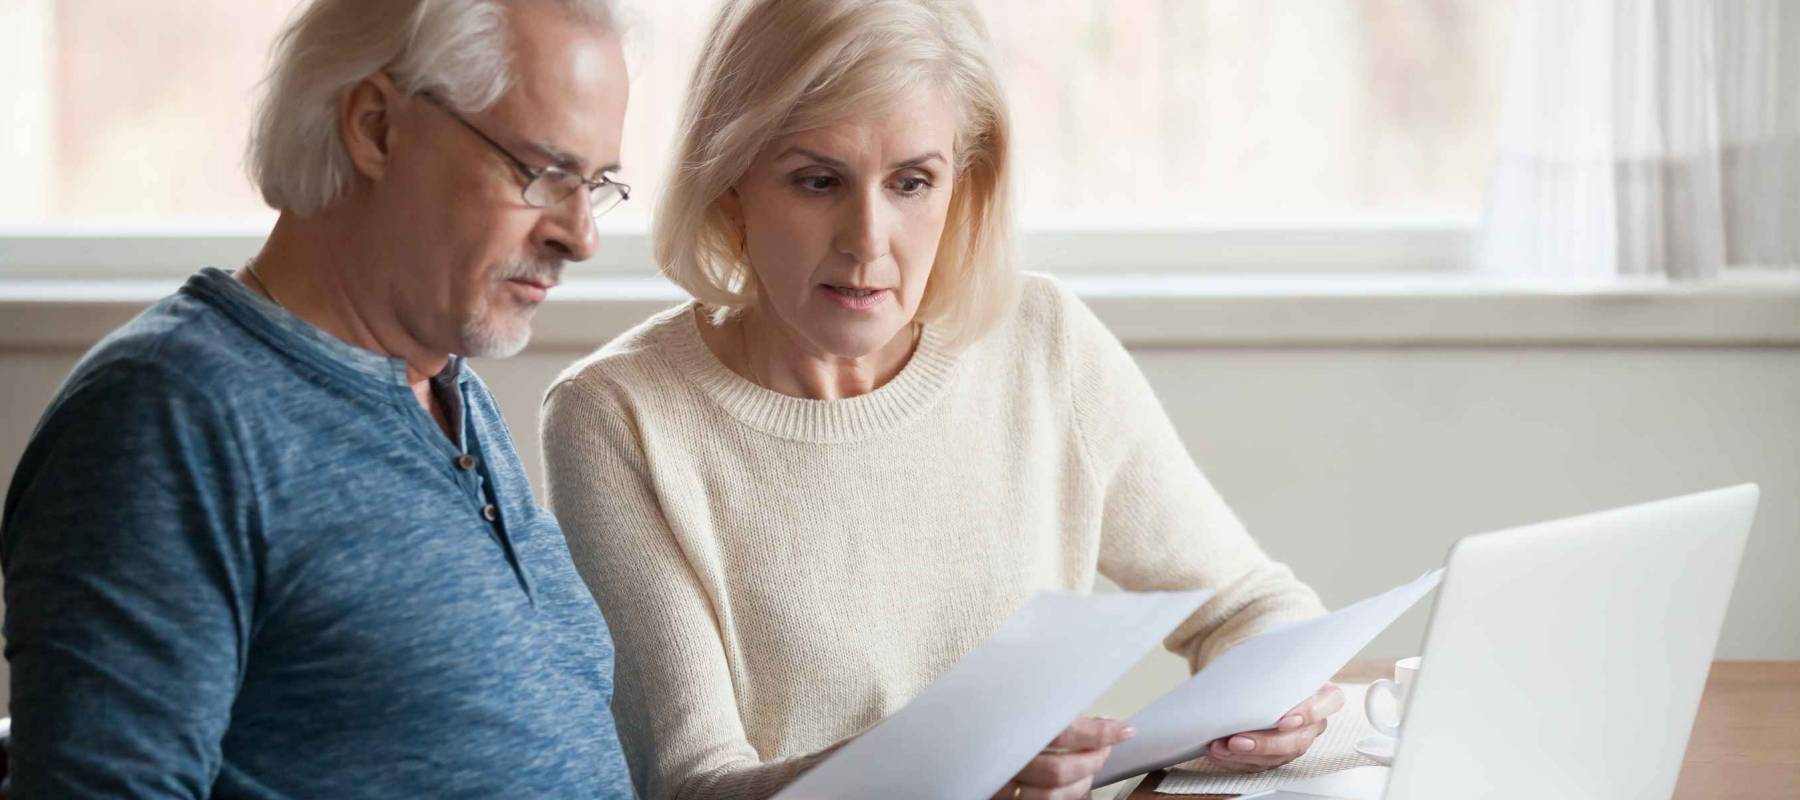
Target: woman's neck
765,352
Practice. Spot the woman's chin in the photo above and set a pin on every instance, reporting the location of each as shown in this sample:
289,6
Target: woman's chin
856,341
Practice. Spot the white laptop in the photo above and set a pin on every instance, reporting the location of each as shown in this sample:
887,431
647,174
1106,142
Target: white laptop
1566,659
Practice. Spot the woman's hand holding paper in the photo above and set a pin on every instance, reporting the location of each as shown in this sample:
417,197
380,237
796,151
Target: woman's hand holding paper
1255,751
1065,769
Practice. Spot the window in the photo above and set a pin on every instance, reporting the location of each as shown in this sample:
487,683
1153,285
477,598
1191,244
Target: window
1369,118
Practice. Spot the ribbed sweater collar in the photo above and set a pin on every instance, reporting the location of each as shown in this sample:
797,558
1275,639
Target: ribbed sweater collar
898,402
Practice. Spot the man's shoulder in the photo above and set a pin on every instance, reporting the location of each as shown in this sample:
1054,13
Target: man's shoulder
140,399
180,343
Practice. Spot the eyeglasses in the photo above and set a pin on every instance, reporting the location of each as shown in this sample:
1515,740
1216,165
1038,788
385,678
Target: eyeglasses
548,186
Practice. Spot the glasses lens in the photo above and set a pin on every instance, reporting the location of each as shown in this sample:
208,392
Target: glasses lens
550,187
606,197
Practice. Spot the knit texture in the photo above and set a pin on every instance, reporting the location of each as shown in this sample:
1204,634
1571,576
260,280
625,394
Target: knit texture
780,573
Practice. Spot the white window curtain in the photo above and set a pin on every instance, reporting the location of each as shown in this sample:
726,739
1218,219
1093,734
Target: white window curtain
1653,138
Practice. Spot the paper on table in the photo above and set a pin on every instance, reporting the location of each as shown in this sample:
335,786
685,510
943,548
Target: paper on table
1360,783
974,727
1251,685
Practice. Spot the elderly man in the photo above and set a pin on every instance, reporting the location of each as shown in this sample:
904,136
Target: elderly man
271,539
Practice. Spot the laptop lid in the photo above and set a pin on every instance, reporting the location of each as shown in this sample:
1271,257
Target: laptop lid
1566,659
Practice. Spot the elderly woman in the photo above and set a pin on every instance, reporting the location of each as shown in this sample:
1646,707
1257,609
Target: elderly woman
867,440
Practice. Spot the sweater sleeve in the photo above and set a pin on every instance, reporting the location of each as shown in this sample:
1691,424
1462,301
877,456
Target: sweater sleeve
1164,527
674,702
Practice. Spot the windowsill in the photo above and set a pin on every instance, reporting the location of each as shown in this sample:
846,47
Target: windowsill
1148,310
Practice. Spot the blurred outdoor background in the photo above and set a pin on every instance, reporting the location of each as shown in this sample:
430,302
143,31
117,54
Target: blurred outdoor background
126,113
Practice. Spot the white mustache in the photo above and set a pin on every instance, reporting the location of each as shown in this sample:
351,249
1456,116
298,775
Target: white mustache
536,271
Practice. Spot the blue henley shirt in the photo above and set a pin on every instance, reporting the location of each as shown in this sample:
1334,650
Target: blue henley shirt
241,561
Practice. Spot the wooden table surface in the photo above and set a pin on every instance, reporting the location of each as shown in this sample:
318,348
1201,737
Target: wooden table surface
1745,745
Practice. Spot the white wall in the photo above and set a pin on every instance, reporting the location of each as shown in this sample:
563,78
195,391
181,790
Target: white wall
1360,465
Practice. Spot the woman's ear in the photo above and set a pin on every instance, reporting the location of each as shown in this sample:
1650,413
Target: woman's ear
732,206
365,123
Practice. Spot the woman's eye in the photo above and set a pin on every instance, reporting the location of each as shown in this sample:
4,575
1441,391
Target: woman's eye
912,186
818,184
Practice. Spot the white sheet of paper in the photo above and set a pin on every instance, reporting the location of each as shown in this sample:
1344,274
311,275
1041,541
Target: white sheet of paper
979,723
1251,685
1357,783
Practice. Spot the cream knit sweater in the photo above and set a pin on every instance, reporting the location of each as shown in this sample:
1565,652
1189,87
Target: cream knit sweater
781,573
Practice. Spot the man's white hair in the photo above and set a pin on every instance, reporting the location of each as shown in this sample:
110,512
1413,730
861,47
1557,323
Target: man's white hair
456,49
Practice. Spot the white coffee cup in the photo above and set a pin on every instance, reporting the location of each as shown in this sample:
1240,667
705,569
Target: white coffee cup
1406,672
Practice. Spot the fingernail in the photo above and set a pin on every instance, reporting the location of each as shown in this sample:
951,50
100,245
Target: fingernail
1128,732
1291,722
1243,744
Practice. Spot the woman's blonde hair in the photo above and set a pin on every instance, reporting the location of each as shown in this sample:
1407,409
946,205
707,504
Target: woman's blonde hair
770,68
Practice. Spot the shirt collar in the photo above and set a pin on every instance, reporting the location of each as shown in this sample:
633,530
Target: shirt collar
303,340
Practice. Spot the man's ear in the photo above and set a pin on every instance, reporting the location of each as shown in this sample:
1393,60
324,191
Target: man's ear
366,123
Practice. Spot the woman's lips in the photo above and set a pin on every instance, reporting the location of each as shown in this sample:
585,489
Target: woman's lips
853,298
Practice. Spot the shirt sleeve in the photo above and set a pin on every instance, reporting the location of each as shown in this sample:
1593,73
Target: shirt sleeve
1164,526
673,700
129,591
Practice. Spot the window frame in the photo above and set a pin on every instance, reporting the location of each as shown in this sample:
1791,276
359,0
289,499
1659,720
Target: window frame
1069,246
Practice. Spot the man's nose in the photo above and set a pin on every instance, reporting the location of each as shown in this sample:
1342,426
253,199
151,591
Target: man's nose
567,229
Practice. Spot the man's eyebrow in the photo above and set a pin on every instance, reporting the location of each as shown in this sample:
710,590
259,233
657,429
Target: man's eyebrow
565,160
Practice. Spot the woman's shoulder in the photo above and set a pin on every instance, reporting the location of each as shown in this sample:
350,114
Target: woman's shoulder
1045,320
1052,339
637,360
1044,301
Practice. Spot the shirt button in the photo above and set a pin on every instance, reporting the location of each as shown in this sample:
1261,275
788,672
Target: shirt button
465,462
490,513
